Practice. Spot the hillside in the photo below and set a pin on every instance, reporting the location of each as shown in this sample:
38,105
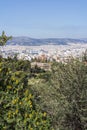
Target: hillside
27,41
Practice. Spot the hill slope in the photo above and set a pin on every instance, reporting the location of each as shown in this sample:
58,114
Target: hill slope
27,41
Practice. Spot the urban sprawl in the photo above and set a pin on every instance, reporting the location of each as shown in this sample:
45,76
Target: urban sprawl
44,52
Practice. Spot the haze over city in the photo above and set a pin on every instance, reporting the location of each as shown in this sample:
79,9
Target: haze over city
44,18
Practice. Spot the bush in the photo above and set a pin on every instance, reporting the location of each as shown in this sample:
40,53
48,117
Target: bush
17,107
64,95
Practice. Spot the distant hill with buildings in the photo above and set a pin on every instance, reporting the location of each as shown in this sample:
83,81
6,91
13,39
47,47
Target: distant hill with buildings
27,41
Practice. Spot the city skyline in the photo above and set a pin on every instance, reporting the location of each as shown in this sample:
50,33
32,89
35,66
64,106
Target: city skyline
44,19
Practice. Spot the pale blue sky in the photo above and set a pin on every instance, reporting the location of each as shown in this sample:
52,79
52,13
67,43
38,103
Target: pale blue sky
44,18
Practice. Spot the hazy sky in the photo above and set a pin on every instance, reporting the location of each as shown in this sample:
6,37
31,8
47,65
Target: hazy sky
44,18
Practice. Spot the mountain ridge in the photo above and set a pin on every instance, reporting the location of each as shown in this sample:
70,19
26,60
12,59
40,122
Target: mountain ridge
28,41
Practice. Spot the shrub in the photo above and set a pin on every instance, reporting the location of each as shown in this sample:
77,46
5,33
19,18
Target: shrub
17,107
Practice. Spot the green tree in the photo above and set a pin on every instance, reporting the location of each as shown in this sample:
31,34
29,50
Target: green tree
4,39
63,95
70,84
84,57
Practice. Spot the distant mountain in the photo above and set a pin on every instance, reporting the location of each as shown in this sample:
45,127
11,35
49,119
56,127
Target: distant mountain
27,41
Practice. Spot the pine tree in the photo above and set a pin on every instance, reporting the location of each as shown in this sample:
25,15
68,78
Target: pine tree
4,39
